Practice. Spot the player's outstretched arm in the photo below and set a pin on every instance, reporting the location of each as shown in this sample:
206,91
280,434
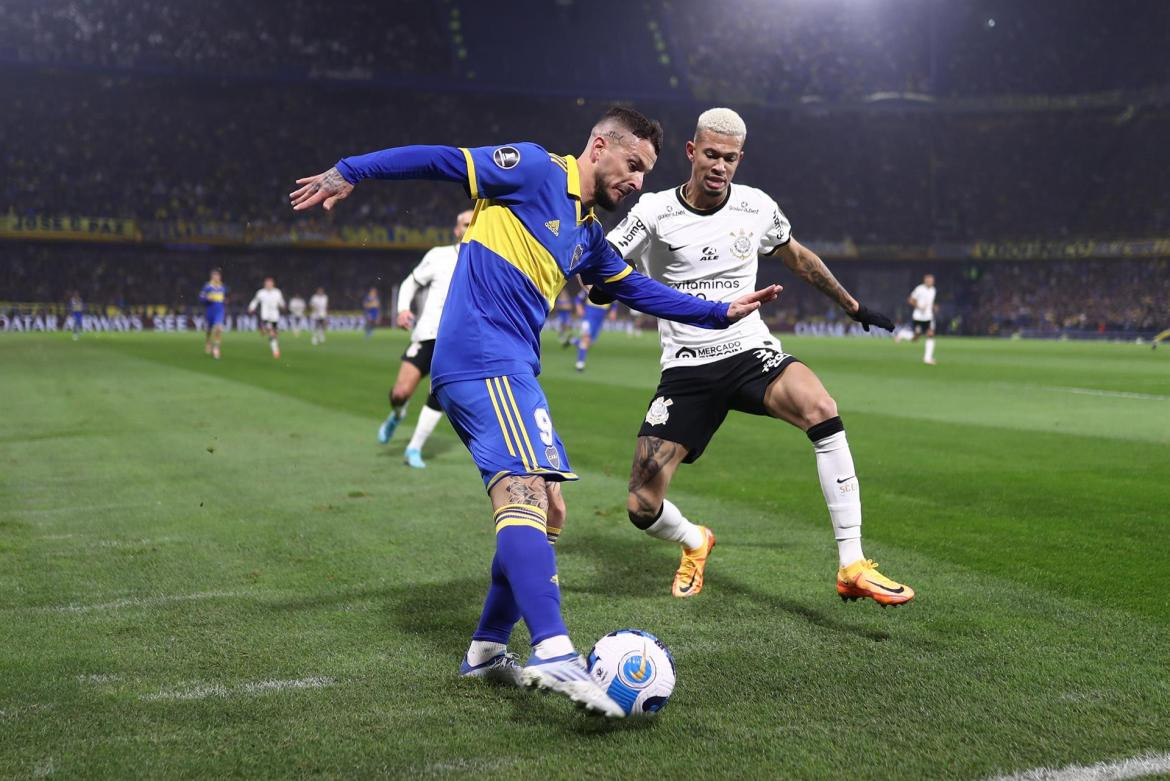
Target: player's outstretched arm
809,267
644,294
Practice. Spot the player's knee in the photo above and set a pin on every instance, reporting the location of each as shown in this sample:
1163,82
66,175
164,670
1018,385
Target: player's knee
400,394
643,509
557,511
822,408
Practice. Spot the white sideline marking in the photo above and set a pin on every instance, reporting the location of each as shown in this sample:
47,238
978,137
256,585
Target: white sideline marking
118,604
1134,767
257,687
1112,394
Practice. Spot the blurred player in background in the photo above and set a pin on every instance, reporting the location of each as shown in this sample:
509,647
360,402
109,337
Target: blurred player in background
319,312
533,227
296,311
592,320
1163,336
372,305
433,273
76,311
214,298
922,299
706,237
564,322
271,301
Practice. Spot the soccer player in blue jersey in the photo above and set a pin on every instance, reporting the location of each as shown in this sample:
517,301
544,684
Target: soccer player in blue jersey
533,227
373,306
76,311
592,319
213,297
564,322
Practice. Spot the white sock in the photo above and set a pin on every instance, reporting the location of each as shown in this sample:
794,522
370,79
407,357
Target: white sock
272,344
558,645
842,494
673,526
482,650
929,354
427,420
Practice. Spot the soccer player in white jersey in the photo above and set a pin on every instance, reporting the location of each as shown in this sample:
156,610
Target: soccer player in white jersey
296,310
704,238
434,273
319,313
922,299
270,301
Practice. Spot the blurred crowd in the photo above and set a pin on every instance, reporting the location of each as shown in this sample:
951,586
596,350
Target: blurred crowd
157,149
736,50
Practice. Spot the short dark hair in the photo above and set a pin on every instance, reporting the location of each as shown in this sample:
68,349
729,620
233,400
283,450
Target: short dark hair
637,123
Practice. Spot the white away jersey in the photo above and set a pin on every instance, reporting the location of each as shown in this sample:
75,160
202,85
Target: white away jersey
296,306
319,306
433,272
923,298
270,301
711,255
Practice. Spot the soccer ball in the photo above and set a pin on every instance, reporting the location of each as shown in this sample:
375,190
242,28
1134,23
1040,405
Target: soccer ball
635,668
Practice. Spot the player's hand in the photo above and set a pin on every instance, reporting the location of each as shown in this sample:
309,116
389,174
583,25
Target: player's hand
329,187
868,317
405,319
745,305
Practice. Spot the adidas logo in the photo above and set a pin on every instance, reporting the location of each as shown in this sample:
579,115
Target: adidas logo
554,226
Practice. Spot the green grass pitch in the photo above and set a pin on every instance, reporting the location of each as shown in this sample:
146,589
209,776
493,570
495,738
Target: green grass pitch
211,569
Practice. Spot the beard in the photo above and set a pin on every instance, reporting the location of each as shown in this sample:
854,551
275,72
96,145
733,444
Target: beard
604,199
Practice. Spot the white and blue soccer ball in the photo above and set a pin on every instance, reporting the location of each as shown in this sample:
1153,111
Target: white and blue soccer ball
635,669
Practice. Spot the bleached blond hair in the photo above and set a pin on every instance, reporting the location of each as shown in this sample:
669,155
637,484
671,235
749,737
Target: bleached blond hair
722,121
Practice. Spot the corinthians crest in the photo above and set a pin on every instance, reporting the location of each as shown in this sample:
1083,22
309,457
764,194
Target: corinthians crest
742,245
659,411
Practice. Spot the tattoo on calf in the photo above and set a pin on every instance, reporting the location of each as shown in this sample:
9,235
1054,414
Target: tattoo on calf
650,457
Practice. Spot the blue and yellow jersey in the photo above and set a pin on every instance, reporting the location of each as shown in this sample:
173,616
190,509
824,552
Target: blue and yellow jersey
371,303
76,306
528,235
564,303
213,296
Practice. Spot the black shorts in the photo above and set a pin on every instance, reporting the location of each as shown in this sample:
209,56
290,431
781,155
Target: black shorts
270,324
922,326
692,401
419,354
318,322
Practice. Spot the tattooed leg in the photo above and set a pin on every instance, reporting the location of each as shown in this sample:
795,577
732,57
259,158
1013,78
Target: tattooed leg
655,461
556,510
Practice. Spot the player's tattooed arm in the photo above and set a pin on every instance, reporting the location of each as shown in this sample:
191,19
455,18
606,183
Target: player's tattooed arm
654,463
809,267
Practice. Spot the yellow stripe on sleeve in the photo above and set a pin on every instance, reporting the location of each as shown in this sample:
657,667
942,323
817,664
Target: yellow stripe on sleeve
471,183
500,417
621,274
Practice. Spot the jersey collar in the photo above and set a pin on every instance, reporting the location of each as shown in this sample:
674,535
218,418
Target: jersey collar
573,187
678,191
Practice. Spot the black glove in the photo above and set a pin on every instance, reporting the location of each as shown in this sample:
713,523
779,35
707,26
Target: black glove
599,296
868,317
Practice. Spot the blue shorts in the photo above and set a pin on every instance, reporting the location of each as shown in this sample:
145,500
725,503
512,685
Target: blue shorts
77,318
505,423
214,317
594,318
372,314
563,317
